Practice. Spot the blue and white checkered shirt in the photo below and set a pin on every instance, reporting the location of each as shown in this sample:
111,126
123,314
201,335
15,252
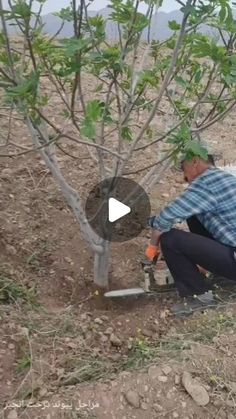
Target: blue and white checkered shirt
212,198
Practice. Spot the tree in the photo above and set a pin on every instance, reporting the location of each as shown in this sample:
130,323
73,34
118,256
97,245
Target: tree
188,79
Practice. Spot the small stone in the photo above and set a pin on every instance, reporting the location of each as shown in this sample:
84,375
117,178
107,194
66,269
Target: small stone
104,339
162,378
60,371
11,346
157,407
11,249
132,398
195,390
6,174
12,415
72,345
230,403
183,404
68,260
144,406
43,392
177,380
169,395
155,327
98,321
165,195
154,372
108,331
175,415
115,341
232,386
147,333
218,403
166,369
164,314
115,357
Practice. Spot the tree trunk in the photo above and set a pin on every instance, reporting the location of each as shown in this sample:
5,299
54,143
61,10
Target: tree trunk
101,265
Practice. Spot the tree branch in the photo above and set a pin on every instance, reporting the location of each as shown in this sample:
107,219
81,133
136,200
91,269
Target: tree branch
71,196
213,121
94,145
168,156
77,80
163,87
8,47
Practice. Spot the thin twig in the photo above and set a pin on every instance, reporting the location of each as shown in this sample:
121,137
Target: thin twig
151,165
213,121
91,144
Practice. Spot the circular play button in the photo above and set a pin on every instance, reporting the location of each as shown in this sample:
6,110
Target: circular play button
117,209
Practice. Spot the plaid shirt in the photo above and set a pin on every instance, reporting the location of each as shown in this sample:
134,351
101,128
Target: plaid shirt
212,198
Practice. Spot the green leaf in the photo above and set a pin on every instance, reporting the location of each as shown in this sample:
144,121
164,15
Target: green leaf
149,132
28,86
65,14
194,148
94,110
99,88
181,137
73,46
141,22
109,58
21,10
126,134
226,15
198,76
98,26
88,129
148,77
173,25
187,9
183,83
182,108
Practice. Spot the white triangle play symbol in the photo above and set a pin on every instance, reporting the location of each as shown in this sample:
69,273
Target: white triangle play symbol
117,210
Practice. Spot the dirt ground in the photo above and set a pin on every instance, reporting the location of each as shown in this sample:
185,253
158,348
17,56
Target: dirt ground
65,352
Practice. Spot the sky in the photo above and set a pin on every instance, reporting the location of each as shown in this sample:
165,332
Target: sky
55,5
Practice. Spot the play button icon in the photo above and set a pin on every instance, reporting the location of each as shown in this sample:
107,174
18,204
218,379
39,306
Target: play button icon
117,209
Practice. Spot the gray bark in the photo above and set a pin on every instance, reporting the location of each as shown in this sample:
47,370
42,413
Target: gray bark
101,265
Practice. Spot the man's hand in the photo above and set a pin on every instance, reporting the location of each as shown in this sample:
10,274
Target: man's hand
152,252
153,249
155,237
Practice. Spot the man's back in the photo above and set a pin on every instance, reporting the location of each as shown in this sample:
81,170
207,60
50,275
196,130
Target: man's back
220,220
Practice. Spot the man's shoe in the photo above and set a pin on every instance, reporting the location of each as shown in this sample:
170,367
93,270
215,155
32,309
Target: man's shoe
196,303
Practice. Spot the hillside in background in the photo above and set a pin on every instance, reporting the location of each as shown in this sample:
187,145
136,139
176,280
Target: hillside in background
159,29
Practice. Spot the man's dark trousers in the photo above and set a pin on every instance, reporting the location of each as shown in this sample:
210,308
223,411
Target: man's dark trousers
183,251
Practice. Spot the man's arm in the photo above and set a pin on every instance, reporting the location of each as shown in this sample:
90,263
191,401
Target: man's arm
196,200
